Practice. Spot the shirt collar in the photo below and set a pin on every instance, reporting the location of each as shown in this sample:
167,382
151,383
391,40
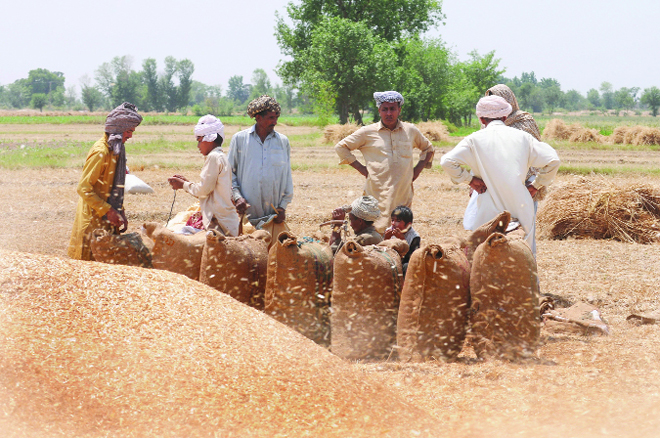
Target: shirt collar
381,126
496,122
253,129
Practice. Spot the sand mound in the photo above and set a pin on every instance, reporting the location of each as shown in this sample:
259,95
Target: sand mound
599,209
90,349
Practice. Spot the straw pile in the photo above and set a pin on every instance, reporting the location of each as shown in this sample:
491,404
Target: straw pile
434,131
335,133
556,129
90,349
599,209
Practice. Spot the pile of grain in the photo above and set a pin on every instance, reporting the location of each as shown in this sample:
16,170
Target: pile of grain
333,134
90,349
556,129
598,209
434,130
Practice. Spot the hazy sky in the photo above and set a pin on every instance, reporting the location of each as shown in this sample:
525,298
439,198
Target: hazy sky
581,43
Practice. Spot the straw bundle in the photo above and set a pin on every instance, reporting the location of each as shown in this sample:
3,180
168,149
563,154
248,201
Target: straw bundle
647,136
556,129
434,131
602,210
631,134
96,350
335,133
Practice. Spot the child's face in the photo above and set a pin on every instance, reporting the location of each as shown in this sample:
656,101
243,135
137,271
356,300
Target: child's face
398,223
205,147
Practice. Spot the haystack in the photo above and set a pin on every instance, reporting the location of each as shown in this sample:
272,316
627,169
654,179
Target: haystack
618,135
96,350
599,209
632,133
333,134
556,129
647,136
434,130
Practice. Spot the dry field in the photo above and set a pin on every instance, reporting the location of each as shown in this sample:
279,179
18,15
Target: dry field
579,386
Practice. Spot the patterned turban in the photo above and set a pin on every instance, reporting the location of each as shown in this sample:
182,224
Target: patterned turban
263,103
388,96
493,107
366,208
209,127
120,120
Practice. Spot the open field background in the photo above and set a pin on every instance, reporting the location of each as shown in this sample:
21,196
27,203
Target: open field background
579,386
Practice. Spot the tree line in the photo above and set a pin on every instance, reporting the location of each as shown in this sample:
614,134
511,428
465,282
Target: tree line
339,54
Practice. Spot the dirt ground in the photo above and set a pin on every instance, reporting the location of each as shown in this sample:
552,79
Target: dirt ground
578,386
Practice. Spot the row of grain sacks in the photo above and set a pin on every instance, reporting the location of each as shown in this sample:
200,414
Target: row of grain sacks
483,288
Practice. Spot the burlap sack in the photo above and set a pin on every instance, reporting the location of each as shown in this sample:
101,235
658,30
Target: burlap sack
121,249
299,285
365,301
498,225
175,252
435,304
236,266
505,299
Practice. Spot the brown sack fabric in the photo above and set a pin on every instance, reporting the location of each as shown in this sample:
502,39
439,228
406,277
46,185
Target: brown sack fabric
120,249
365,301
435,303
479,236
299,286
175,252
580,318
505,299
96,350
236,266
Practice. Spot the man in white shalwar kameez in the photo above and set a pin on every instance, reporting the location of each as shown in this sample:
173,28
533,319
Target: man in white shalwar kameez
499,157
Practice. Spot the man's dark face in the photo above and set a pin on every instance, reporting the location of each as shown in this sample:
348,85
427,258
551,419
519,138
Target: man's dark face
389,113
267,122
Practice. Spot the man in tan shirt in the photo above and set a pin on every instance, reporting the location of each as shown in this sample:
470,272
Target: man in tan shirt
387,148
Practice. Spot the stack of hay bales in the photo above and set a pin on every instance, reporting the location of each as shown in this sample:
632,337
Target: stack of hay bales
299,286
434,130
236,266
365,300
635,135
599,209
335,133
89,349
556,129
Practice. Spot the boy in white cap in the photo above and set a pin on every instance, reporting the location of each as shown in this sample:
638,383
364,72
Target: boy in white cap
362,214
499,157
215,190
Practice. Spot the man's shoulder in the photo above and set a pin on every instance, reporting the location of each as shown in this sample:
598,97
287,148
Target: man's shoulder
281,136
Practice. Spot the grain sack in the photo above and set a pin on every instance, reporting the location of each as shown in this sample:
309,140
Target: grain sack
236,266
505,299
365,301
120,249
498,225
299,285
435,303
175,252
95,350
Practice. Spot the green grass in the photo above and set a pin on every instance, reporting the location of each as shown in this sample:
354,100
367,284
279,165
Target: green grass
608,170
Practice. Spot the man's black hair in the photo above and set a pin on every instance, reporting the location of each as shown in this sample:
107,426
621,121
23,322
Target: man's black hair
218,141
403,213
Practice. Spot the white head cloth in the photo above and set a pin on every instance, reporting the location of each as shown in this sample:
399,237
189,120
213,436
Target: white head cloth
493,107
388,96
366,208
209,127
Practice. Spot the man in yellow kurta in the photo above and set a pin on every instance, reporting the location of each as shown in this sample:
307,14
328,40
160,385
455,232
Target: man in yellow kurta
387,148
101,186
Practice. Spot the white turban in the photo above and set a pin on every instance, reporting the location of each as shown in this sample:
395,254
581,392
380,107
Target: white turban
210,127
366,208
493,107
388,96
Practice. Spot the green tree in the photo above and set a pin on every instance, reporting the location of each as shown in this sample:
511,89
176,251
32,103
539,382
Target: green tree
607,95
91,96
153,101
185,70
481,73
38,101
574,100
594,98
346,59
651,97
625,98
44,81
237,90
260,83
119,82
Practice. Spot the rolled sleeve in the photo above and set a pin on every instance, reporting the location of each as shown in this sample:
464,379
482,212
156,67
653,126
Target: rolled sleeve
545,158
345,147
452,161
